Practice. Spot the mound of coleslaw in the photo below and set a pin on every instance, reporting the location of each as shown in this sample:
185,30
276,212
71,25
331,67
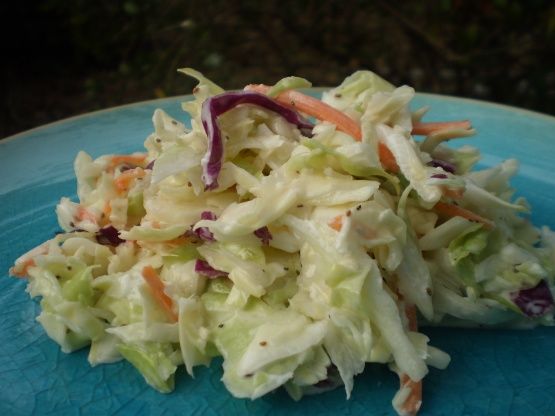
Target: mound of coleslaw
297,238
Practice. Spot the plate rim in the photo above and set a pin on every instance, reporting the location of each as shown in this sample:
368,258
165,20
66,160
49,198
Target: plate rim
22,134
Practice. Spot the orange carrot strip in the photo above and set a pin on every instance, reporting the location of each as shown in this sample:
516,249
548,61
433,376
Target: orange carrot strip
324,112
414,399
315,108
336,223
410,311
84,214
157,289
423,129
123,181
23,268
452,210
178,241
387,159
452,193
107,210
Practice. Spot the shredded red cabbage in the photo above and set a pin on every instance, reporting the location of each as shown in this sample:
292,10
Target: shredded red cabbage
439,176
204,269
217,105
332,380
534,302
109,236
203,232
264,234
208,215
150,164
446,166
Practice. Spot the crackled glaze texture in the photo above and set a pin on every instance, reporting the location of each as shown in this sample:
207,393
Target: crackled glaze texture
492,372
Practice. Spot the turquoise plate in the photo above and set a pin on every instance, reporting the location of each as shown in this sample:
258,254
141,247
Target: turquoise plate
497,372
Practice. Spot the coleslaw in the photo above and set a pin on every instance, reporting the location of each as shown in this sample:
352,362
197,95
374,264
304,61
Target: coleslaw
298,238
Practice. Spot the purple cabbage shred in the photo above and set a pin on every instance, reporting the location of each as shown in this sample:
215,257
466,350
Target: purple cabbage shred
204,269
150,164
332,380
203,232
534,302
208,215
446,166
439,176
217,105
109,236
264,234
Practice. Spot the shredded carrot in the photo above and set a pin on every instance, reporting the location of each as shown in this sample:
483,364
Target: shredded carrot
414,399
423,129
21,270
107,210
135,160
157,289
452,210
178,241
387,159
410,311
336,223
84,214
324,112
452,193
315,108
123,181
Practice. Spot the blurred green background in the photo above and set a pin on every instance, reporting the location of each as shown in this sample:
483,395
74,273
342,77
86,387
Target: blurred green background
62,58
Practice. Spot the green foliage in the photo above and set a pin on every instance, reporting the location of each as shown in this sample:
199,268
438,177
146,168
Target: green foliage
106,53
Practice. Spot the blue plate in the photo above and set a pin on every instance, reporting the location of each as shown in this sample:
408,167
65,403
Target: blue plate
492,372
